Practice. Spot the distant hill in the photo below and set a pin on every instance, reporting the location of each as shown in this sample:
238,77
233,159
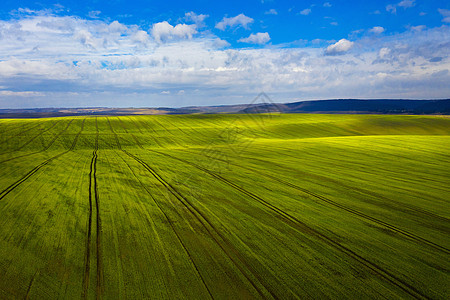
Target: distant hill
348,106
357,106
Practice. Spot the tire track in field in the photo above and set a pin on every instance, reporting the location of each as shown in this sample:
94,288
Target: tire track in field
27,295
20,133
204,222
363,191
159,207
14,185
35,137
227,248
45,149
173,229
129,133
152,133
114,133
135,124
93,201
348,209
303,227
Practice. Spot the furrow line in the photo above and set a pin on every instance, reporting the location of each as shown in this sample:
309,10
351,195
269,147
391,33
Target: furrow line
115,134
172,227
27,295
411,207
88,239
14,185
362,215
20,133
213,232
35,137
93,200
45,149
302,227
98,222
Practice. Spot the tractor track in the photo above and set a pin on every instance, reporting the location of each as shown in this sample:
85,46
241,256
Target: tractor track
173,229
115,134
359,190
362,215
213,232
303,227
93,202
33,138
363,191
27,295
14,185
129,133
43,150
209,227
18,134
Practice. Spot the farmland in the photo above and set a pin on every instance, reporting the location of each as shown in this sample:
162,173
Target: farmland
225,206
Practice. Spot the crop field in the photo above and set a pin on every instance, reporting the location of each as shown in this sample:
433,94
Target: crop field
225,206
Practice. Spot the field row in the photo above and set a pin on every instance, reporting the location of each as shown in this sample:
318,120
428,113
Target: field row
225,207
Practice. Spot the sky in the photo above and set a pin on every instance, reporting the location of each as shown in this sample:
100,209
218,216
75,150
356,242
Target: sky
118,53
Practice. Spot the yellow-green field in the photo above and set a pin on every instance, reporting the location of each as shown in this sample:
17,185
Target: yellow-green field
225,206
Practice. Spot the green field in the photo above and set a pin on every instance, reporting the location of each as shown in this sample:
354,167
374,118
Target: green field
225,206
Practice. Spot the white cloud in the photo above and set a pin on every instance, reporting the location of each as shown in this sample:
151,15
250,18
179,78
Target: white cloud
377,30
240,20
446,14
94,14
219,43
339,47
140,36
258,38
384,52
392,8
72,66
306,11
334,23
418,28
271,12
407,3
327,4
163,31
197,19
85,38
20,94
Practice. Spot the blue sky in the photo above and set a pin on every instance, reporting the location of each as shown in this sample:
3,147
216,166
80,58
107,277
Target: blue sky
179,53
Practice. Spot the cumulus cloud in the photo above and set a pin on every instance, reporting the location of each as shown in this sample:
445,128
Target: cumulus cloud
219,43
271,12
339,47
259,38
306,11
197,19
240,20
141,37
72,66
392,8
407,3
94,14
377,30
446,14
327,4
163,31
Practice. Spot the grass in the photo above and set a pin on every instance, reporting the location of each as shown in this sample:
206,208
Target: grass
225,206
